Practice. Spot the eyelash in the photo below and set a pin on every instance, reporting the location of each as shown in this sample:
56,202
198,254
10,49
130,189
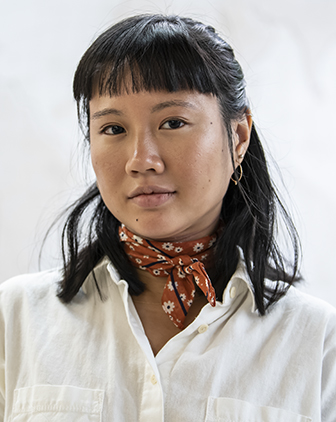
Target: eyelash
105,129
174,120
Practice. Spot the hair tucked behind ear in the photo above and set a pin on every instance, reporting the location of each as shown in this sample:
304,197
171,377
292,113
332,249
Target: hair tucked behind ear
170,53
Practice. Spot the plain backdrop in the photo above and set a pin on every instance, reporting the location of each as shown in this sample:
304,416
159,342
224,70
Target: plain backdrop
288,52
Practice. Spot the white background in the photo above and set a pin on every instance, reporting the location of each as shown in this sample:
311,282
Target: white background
288,52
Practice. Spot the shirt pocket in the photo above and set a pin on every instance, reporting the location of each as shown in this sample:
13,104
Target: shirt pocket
221,409
61,403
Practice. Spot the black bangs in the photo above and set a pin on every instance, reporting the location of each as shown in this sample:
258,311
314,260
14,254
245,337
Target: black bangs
148,53
163,65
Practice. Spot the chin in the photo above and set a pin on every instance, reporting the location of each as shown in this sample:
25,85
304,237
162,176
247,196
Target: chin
157,231
166,234
152,234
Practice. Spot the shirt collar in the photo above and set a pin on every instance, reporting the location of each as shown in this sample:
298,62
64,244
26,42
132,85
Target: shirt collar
239,283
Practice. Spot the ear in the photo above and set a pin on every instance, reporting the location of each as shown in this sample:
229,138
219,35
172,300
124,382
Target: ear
241,130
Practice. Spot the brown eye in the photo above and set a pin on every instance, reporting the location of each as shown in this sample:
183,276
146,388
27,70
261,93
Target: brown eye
173,124
113,130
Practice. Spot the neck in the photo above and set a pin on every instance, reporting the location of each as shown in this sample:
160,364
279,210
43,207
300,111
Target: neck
154,287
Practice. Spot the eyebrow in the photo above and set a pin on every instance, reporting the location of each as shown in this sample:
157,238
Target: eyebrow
172,103
105,112
156,108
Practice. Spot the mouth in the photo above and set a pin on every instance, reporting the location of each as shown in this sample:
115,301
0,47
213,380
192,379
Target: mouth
151,196
149,190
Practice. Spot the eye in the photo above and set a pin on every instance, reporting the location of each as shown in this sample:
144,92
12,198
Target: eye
172,124
113,130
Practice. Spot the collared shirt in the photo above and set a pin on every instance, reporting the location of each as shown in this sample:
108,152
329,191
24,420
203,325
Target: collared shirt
91,361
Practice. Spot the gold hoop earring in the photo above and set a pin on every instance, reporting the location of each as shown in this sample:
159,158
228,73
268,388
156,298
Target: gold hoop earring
240,176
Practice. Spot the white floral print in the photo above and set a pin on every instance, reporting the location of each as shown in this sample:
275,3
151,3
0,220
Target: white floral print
168,246
212,241
170,286
182,268
198,247
180,273
123,235
137,239
168,307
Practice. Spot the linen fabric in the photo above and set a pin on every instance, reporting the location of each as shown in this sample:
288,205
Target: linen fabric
90,360
182,262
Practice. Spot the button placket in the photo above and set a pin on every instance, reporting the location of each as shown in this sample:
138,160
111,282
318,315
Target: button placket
202,328
233,292
153,379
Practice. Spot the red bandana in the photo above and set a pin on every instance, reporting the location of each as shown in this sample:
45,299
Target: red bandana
180,261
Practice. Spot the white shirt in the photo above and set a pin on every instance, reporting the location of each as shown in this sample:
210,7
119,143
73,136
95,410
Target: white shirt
91,361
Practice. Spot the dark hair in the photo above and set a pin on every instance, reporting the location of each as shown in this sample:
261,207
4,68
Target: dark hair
172,53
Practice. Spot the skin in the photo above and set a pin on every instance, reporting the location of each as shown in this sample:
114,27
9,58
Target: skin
163,166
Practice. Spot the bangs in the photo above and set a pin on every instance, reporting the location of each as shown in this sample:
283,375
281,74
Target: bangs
164,65
145,57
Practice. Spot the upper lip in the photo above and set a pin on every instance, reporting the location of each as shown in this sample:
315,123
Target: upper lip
147,190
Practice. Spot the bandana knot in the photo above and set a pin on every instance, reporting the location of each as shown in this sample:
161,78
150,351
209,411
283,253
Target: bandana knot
182,264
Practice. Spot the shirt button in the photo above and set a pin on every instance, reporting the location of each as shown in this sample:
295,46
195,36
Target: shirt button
202,328
153,379
233,292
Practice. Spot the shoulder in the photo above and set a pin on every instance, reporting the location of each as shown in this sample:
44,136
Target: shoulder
295,304
29,289
309,314
306,304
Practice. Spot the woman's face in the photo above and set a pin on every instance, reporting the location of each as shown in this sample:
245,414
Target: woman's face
162,161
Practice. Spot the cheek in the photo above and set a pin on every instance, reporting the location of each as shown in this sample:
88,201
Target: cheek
104,165
95,158
217,173
108,182
213,162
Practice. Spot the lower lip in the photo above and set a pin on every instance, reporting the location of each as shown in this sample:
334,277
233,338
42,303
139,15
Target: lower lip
153,200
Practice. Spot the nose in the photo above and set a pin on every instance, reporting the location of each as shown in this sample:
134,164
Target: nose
144,155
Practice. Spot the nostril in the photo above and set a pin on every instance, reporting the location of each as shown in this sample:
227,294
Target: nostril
152,164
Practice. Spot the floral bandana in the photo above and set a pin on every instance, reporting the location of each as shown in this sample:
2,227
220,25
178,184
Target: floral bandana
181,262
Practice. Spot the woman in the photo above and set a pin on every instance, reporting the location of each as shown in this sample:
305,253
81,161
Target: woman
174,302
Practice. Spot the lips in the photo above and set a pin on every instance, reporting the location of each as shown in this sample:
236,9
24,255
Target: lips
151,196
149,190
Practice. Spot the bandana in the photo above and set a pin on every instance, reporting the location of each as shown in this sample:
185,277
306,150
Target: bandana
181,262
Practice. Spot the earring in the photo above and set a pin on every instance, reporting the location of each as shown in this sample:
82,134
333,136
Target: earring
240,176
